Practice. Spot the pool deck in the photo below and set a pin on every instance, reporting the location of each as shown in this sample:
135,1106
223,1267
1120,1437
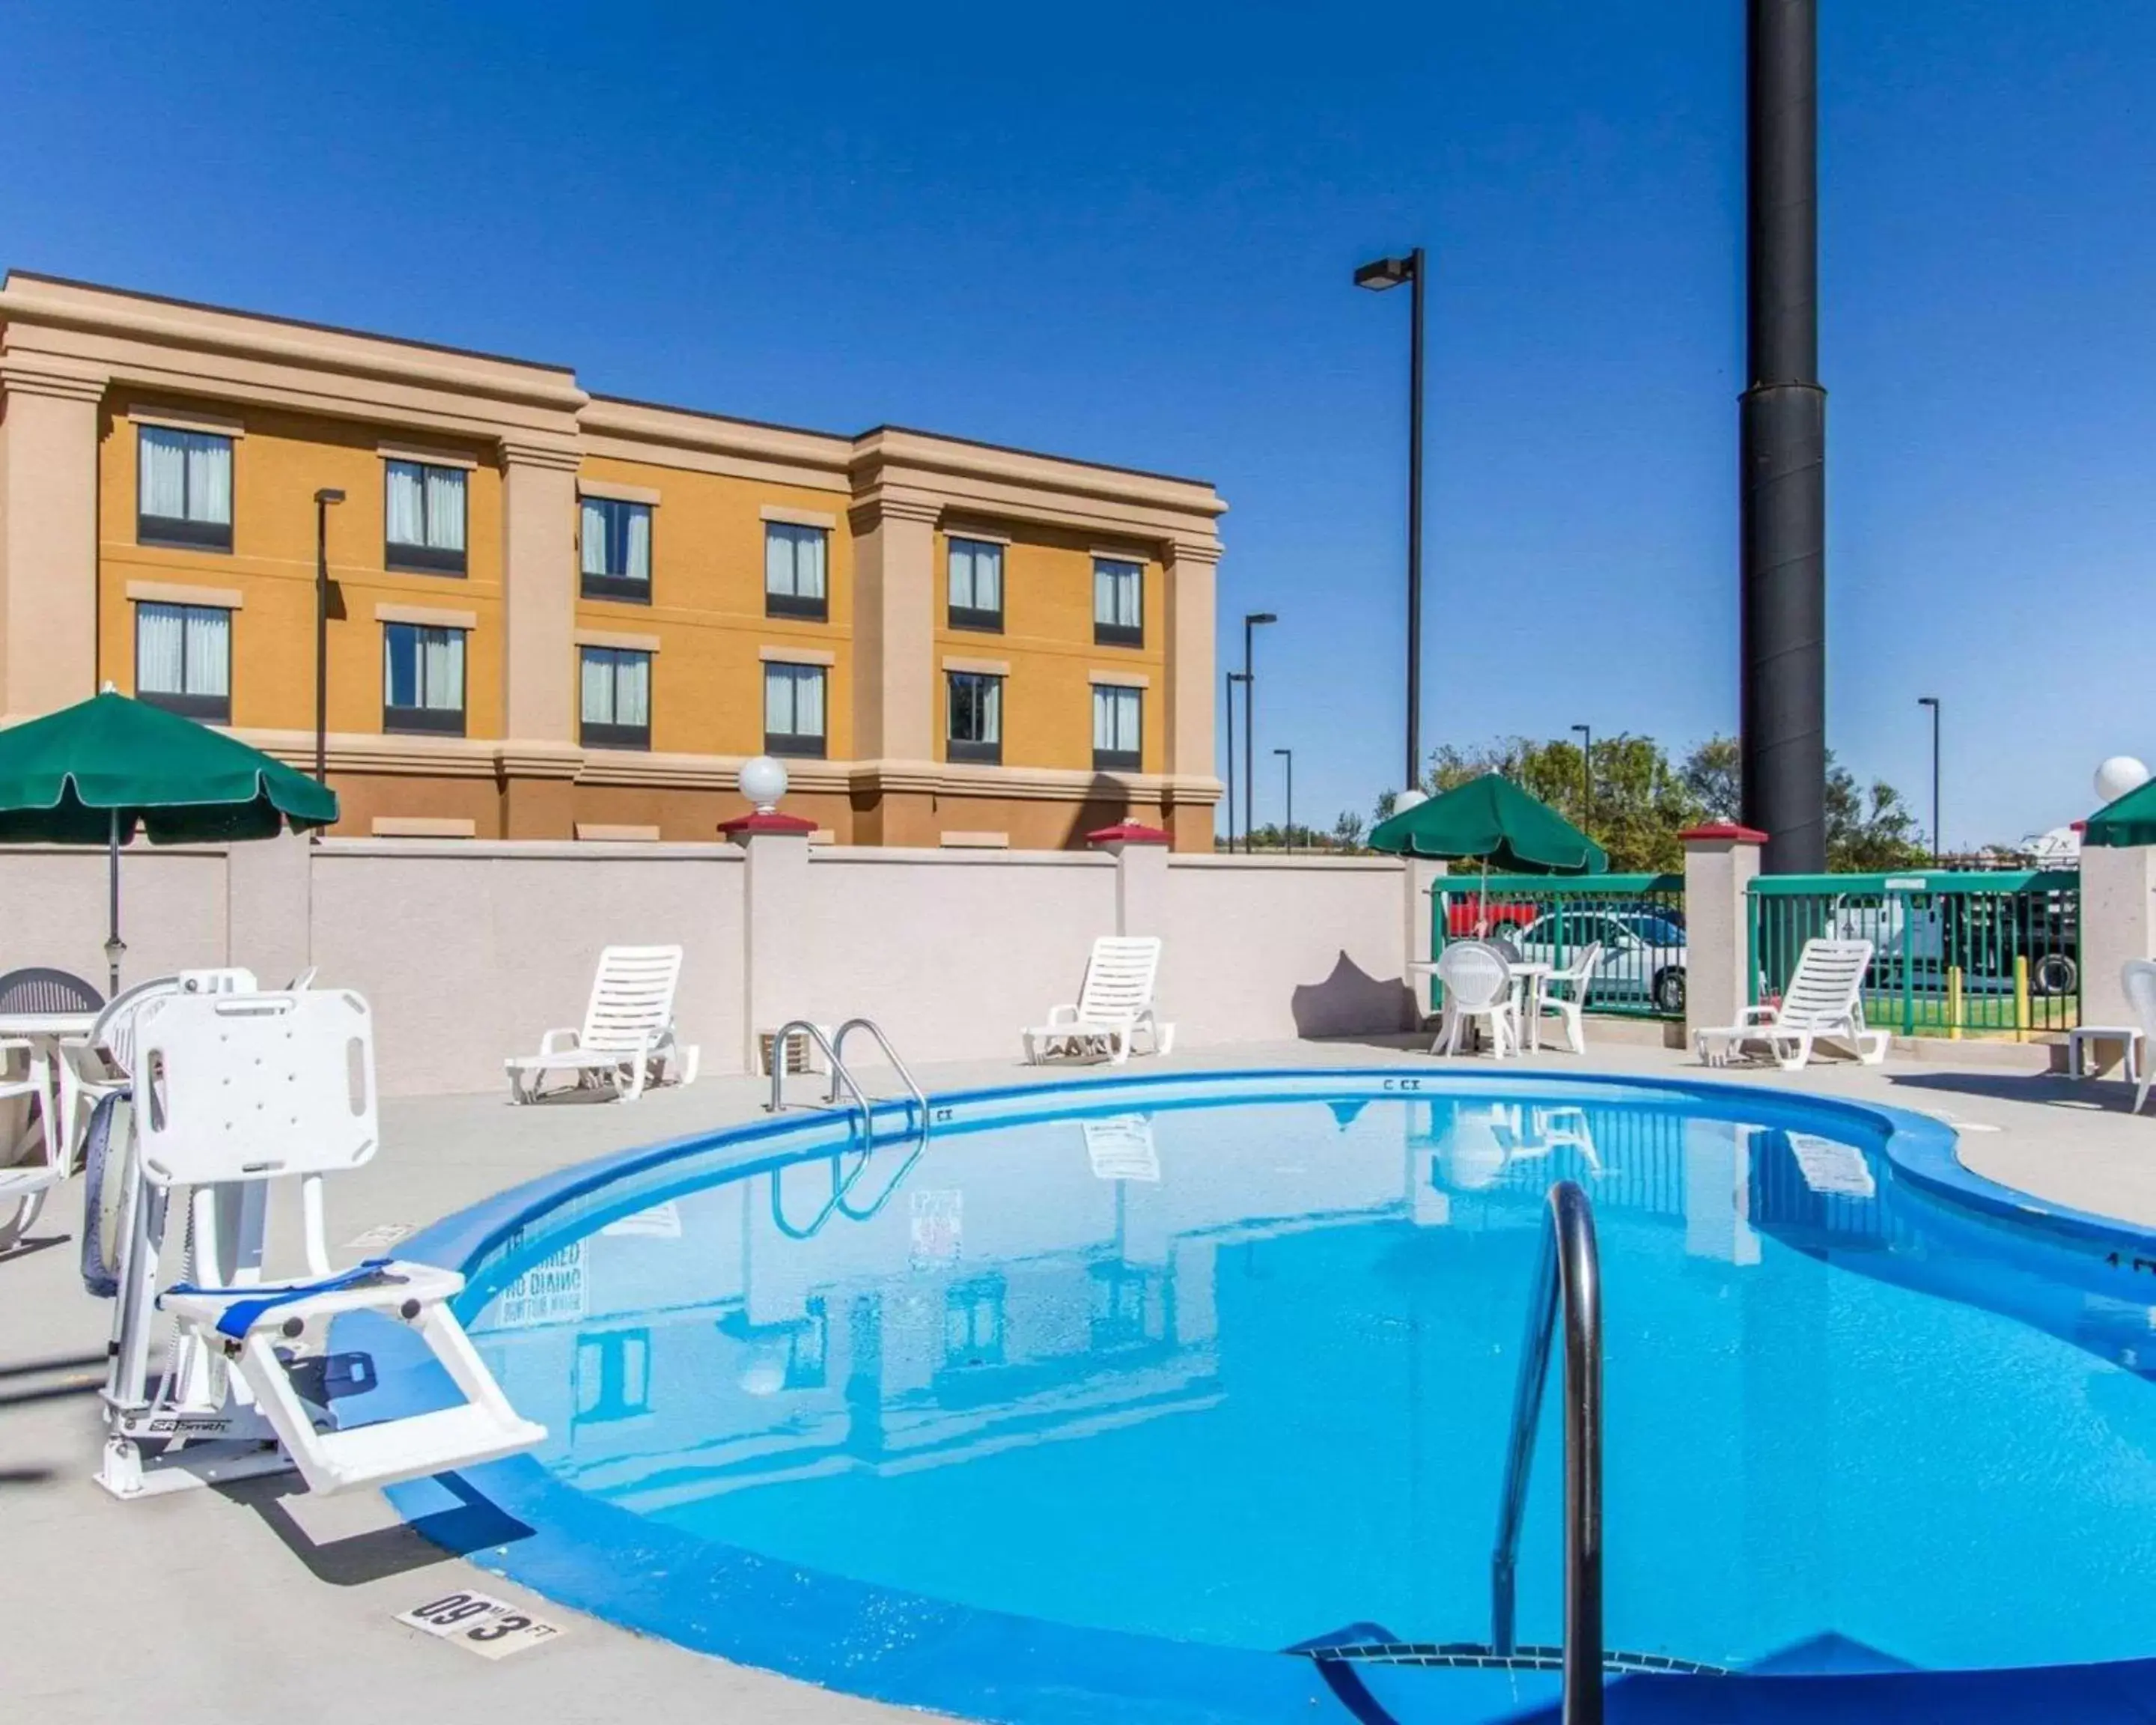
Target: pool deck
254,1602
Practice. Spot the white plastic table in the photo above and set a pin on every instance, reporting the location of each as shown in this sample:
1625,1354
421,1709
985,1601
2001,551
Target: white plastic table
2128,1036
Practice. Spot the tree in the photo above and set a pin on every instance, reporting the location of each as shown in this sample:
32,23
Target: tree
1712,772
1866,834
1347,830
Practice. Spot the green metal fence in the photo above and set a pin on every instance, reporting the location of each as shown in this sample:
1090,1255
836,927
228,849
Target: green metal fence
1957,953
1638,920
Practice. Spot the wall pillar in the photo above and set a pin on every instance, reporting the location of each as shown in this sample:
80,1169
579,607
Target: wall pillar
269,916
539,757
1192,566
1721,863
775,909
895,612
1141,854
2118,922
47,538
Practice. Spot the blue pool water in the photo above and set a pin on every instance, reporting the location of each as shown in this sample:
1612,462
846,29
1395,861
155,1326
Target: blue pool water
1234,1374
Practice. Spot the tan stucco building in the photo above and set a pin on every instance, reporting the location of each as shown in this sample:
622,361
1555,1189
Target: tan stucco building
557,614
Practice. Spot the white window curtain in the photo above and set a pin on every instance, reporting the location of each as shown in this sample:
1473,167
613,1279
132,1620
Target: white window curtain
636,565
989,701
184,475
593,538
161,649
1116,720
598,688
1116,593
445,508
426,505
794,700
423,667
976,704
406,519
617,686
977,575
208,650
793,560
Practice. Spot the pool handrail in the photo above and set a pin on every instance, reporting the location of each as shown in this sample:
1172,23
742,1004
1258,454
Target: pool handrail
1567,1282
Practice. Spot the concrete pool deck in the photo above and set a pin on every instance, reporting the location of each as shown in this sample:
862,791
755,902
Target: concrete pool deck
258,1602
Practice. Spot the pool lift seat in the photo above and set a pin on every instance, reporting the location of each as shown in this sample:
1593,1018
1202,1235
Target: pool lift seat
233,1092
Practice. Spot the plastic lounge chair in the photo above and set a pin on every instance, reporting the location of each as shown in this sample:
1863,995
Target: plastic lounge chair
1478,985
2137,978
1565,993
25,1184
1113,1009
234,1091
1825,1000
627,1039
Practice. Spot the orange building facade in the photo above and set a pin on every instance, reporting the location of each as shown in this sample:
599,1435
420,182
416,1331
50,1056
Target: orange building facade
555,614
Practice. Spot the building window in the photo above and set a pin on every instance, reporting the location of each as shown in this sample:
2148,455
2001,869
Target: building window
422,679
183,493
1117,714
793,559
1118,603
793,709
423,518
976,585
974,731
617,697
614,541
183,659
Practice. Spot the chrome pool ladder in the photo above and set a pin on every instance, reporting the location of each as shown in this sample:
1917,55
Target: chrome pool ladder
1568,1284
843,1081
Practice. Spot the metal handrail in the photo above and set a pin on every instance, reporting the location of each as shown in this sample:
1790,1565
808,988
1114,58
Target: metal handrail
1568,1277
838,1073
842,1076
904,1073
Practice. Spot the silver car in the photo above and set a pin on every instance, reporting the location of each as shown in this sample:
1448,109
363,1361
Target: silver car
1643,955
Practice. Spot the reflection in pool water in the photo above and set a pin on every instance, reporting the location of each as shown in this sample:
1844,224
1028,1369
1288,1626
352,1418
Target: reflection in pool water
1238,1374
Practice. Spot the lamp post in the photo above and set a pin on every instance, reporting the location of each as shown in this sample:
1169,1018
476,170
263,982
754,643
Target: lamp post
1586,778
323,499
1233,678
1287,825
1377,276
1252,622
1932,702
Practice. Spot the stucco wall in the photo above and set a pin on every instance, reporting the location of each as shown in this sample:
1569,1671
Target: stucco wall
172,910
1274,947
469,953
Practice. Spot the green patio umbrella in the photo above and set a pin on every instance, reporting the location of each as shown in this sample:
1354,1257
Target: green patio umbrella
95,772
1491,820
2131,820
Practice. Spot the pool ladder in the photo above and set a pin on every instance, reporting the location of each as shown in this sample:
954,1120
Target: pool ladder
1568,1284
843,1080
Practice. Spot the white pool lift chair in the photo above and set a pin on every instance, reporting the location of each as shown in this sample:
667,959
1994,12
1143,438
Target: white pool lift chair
627,1039
1824,1001
1114,1008
233,1092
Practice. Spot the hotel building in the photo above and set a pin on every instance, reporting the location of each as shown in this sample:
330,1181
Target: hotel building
554,615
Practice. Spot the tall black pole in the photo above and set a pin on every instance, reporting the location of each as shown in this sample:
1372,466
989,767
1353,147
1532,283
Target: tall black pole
323,499
1231,761
1414,524
1287,823
1249,735
1932,702
1782,440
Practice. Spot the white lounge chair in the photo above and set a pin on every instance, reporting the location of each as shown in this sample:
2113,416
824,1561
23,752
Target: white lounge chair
627,1039
1113,1009
1565,993
1478,985
1825,1000
233,1092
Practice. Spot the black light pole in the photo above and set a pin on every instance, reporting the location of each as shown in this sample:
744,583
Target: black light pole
1932,702
323,499
1287,827
1390,273
1781,447
1586,778
1233,678
1252,622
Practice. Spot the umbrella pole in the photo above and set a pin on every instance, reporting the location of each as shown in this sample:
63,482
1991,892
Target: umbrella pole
114,946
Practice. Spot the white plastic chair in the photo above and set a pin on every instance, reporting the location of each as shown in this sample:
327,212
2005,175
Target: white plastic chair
233,1092
25,1185
1825,999
1478,988
1569,1004
627,1039
1114,1007
2137,977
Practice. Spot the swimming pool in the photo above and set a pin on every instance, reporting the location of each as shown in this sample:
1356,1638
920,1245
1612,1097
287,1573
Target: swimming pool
1114,1390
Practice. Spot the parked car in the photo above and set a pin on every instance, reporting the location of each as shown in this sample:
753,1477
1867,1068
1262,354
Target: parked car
1467,917
1643,954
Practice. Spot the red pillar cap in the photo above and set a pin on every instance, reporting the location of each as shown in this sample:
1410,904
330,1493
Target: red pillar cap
765,821
1728,831
1129,832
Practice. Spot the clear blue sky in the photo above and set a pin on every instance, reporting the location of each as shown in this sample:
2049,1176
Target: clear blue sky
1125,232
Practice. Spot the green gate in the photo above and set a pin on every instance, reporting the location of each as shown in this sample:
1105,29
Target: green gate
1638,920
1956,953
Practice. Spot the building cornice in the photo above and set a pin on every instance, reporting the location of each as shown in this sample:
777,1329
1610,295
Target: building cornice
19,377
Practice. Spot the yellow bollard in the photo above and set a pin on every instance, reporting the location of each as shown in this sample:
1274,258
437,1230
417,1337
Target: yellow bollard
1953,1002
2021,997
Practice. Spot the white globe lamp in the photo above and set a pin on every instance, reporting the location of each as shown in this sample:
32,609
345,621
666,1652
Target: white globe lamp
2117,776
762,781
1408,798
